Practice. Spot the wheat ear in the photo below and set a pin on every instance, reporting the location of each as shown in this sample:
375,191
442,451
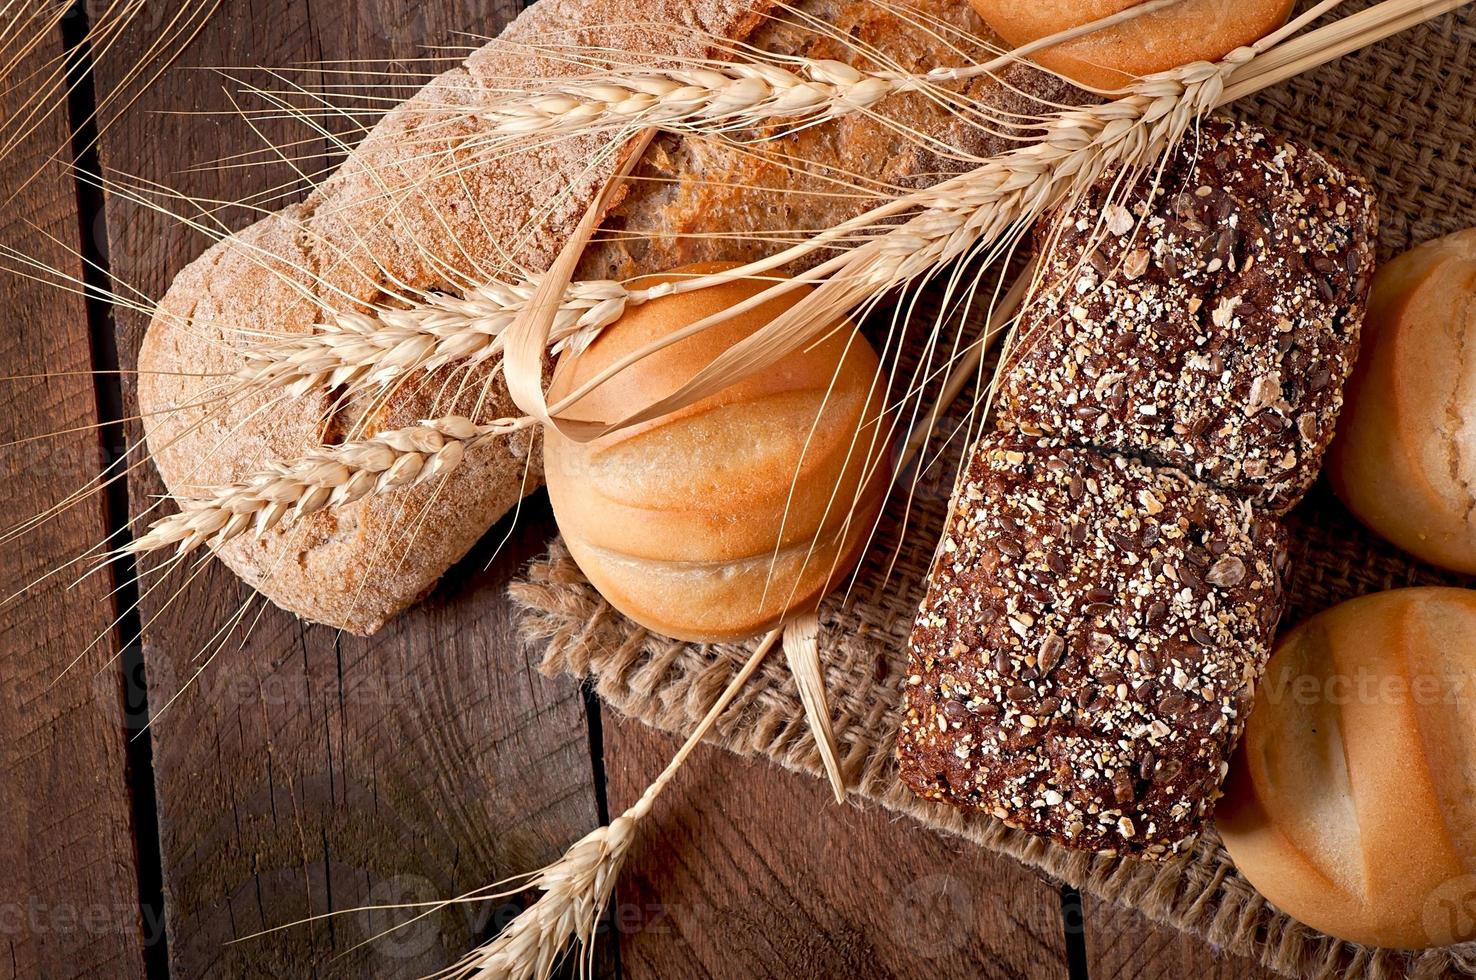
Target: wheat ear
715,97
578,886
385,343
329,477
984,210
975,212
949,220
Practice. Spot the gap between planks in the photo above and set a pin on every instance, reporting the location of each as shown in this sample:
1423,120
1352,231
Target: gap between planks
76,29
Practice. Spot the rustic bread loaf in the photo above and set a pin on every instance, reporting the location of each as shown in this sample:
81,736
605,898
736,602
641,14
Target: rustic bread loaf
397,213
1206,322
1095,625
1091,637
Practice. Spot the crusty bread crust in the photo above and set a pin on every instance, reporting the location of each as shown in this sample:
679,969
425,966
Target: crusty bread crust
1088,648
390,215
1215,337
1399,461
800,448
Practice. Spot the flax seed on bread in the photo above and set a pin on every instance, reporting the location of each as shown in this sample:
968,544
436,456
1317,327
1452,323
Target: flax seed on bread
1208,320
1110,578
1090,641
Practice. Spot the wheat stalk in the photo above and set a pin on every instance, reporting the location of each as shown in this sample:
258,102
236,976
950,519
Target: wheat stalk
578,886
1076,147
947,221
951,220
983,210
715,97
386,343
331,477
704,99
959,216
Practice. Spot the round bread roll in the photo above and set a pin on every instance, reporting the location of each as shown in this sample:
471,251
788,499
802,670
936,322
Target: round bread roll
716,521
1352,802
1194,30
1404,459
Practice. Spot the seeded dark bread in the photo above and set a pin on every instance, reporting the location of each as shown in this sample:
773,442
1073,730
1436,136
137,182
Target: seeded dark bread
1209,323
1087,652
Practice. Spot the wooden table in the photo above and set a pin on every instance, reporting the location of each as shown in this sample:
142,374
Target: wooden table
301,772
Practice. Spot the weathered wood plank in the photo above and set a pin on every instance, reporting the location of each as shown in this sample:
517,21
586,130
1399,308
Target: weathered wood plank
69,903
1124,943
744,870
305,772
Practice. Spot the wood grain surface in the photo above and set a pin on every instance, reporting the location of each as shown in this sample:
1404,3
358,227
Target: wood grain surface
301,772
69,902
773,874
1125,943
296,772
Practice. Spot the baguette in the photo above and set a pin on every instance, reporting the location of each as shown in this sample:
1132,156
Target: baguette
387,217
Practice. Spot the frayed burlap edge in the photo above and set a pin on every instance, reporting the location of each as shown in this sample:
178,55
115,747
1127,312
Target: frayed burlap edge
670,685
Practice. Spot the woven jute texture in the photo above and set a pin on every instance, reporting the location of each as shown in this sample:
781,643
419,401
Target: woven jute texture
1404,113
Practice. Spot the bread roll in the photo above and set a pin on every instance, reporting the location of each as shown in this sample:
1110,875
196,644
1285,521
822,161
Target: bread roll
1404,459
1192,30
715,521
397,213
1352,803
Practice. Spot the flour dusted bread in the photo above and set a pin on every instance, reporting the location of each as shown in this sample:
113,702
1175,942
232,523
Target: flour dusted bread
391,216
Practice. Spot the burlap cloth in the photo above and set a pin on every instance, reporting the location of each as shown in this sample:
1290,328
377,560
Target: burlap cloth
1404,114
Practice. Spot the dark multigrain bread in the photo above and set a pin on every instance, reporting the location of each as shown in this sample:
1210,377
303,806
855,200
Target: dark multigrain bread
1089,645
1208,323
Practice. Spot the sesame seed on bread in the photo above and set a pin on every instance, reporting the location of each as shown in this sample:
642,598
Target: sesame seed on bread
1089,645
1207,321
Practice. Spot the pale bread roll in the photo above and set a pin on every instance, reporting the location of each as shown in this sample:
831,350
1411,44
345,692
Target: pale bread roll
1192,30
385,217
1404,460
1352,803
715,521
